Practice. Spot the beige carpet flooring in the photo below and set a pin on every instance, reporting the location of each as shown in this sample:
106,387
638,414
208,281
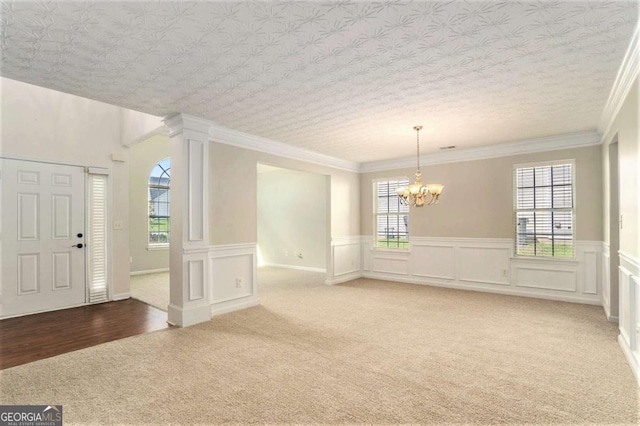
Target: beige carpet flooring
366,352
152,289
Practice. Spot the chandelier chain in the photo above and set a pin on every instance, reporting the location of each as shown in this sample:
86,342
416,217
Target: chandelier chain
418,147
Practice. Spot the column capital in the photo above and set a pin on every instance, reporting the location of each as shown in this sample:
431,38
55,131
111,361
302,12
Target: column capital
182,123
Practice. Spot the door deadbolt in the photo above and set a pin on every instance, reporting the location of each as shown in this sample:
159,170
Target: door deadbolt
79,235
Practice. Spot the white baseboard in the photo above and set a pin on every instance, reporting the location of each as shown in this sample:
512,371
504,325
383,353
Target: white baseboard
233,305
485,289
635,367
149,271
190,316
343,278
299,268
614,319
121,296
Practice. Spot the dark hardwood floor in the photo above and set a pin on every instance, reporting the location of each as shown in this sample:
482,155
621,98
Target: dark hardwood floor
33,337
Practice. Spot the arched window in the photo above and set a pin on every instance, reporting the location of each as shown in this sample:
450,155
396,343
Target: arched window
160,203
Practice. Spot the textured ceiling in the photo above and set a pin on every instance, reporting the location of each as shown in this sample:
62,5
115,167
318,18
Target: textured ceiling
345,79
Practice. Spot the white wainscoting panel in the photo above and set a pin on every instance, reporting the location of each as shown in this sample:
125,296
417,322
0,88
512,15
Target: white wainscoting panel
488,264
590,273
433,261
606,280
484,264
345,260
541,277
197,279
589,254
629,310
635,319
196,274
233,282
367,245
625,312
390,262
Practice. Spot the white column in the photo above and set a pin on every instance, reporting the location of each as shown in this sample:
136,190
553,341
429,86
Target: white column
190,301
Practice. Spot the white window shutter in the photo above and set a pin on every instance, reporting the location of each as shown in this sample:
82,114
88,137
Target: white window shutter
97,239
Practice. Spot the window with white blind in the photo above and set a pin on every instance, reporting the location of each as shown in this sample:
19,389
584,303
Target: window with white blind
544,210
391,217
97,237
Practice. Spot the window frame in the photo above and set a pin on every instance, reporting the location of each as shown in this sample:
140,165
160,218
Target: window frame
151,245
573,209
376,214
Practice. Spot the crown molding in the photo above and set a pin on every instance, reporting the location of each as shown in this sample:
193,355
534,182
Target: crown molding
221,134
178,122
627,74
227,136
527,146
269,146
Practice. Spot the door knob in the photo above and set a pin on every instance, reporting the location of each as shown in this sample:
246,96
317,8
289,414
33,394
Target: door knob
78,245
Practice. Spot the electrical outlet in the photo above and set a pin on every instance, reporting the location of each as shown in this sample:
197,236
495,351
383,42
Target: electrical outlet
505,273
118,224
238,282
286,253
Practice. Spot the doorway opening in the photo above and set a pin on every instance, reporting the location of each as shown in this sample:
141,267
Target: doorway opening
293,214
150,219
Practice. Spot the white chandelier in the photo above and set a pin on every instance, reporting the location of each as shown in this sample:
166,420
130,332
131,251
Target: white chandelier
418,194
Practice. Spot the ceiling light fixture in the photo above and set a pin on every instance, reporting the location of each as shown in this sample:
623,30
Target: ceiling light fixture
417,194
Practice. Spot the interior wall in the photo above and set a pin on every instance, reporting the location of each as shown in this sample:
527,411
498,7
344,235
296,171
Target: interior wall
477,201
233,218
143,157
292,217
625,127
42,124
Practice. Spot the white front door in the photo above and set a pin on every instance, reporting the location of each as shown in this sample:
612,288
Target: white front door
43,236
